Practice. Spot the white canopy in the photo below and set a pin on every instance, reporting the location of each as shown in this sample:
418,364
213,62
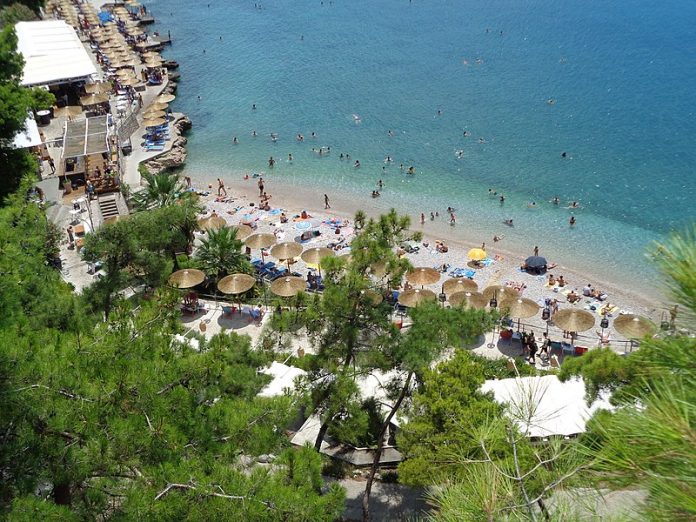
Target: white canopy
283,379
557,408
53,53
29,137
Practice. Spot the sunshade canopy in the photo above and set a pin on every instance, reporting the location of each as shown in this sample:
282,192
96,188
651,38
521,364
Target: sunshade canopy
86,137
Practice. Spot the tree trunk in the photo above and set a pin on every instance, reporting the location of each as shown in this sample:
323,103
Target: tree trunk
380,447
320,436
62,494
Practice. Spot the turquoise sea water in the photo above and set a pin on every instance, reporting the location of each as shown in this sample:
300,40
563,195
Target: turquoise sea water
621,75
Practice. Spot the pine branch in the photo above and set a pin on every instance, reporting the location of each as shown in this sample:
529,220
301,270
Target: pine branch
64,393
193,487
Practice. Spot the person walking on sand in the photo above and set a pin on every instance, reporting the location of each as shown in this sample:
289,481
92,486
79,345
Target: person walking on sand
221,187
422,218
326,201
260,184
536,250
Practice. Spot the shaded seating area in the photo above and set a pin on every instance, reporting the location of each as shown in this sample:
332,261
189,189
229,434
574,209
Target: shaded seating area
87,156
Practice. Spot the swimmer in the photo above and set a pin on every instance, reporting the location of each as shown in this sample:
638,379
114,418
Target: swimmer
300,137
467,134
556,200
531,204
439,112
341,156
551,101
271,162
459,154
497,238
390,133
571,221
253,133
564,154
253,106
432,217
356,164
502,199
508,222
380,184
314,134
235,140
290,158
573,204
411,170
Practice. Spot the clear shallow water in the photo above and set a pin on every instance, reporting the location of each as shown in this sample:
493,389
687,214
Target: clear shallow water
622,77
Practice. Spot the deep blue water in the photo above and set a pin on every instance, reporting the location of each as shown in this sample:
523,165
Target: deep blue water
621,76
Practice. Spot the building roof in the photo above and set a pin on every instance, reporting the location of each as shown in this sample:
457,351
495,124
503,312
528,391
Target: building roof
283,379
85,137
53,53
29,137
557,408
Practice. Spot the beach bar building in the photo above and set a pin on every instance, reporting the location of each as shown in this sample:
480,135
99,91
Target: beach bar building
53,54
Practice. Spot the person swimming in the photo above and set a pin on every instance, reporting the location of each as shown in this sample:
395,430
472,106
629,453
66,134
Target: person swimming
573,204
356,164
411,170
508,222
459,154
556,200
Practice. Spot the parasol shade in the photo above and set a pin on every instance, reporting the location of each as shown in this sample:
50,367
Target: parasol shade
416,296
166,98
500,292
535,262
520,307
154,122
372,296
315,255
423,276
94,99
98,88
288,286
477,254
459,284
212,223
236,283
634,326
243,231
287,250
260,240
574,319
187,278
468,300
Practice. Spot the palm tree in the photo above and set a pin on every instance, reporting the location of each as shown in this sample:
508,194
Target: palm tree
162,189
220,254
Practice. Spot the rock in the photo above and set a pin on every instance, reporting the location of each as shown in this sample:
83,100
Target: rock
176,156
265,459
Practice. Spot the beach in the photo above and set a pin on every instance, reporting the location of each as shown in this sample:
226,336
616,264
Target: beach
504,269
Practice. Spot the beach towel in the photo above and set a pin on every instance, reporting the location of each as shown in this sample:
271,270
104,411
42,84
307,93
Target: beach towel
462,272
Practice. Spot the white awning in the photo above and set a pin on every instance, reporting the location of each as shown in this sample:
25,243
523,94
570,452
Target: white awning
30,137
284,377
53,53
557,408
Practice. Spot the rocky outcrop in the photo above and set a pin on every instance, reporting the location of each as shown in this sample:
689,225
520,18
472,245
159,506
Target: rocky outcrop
176,156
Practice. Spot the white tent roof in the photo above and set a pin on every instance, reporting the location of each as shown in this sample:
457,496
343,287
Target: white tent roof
29,137
557,408
53,53
283,379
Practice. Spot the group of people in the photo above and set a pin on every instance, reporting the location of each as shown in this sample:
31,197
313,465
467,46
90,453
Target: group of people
532,347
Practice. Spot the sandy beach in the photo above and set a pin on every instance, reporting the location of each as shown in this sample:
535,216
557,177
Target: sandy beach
503,270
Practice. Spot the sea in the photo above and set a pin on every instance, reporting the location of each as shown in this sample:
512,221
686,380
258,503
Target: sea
584,100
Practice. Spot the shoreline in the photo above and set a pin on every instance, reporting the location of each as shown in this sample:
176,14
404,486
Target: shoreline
311,200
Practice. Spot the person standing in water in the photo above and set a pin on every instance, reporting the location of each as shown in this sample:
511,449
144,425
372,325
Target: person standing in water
326,202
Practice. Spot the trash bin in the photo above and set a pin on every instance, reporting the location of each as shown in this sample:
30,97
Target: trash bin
43,117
